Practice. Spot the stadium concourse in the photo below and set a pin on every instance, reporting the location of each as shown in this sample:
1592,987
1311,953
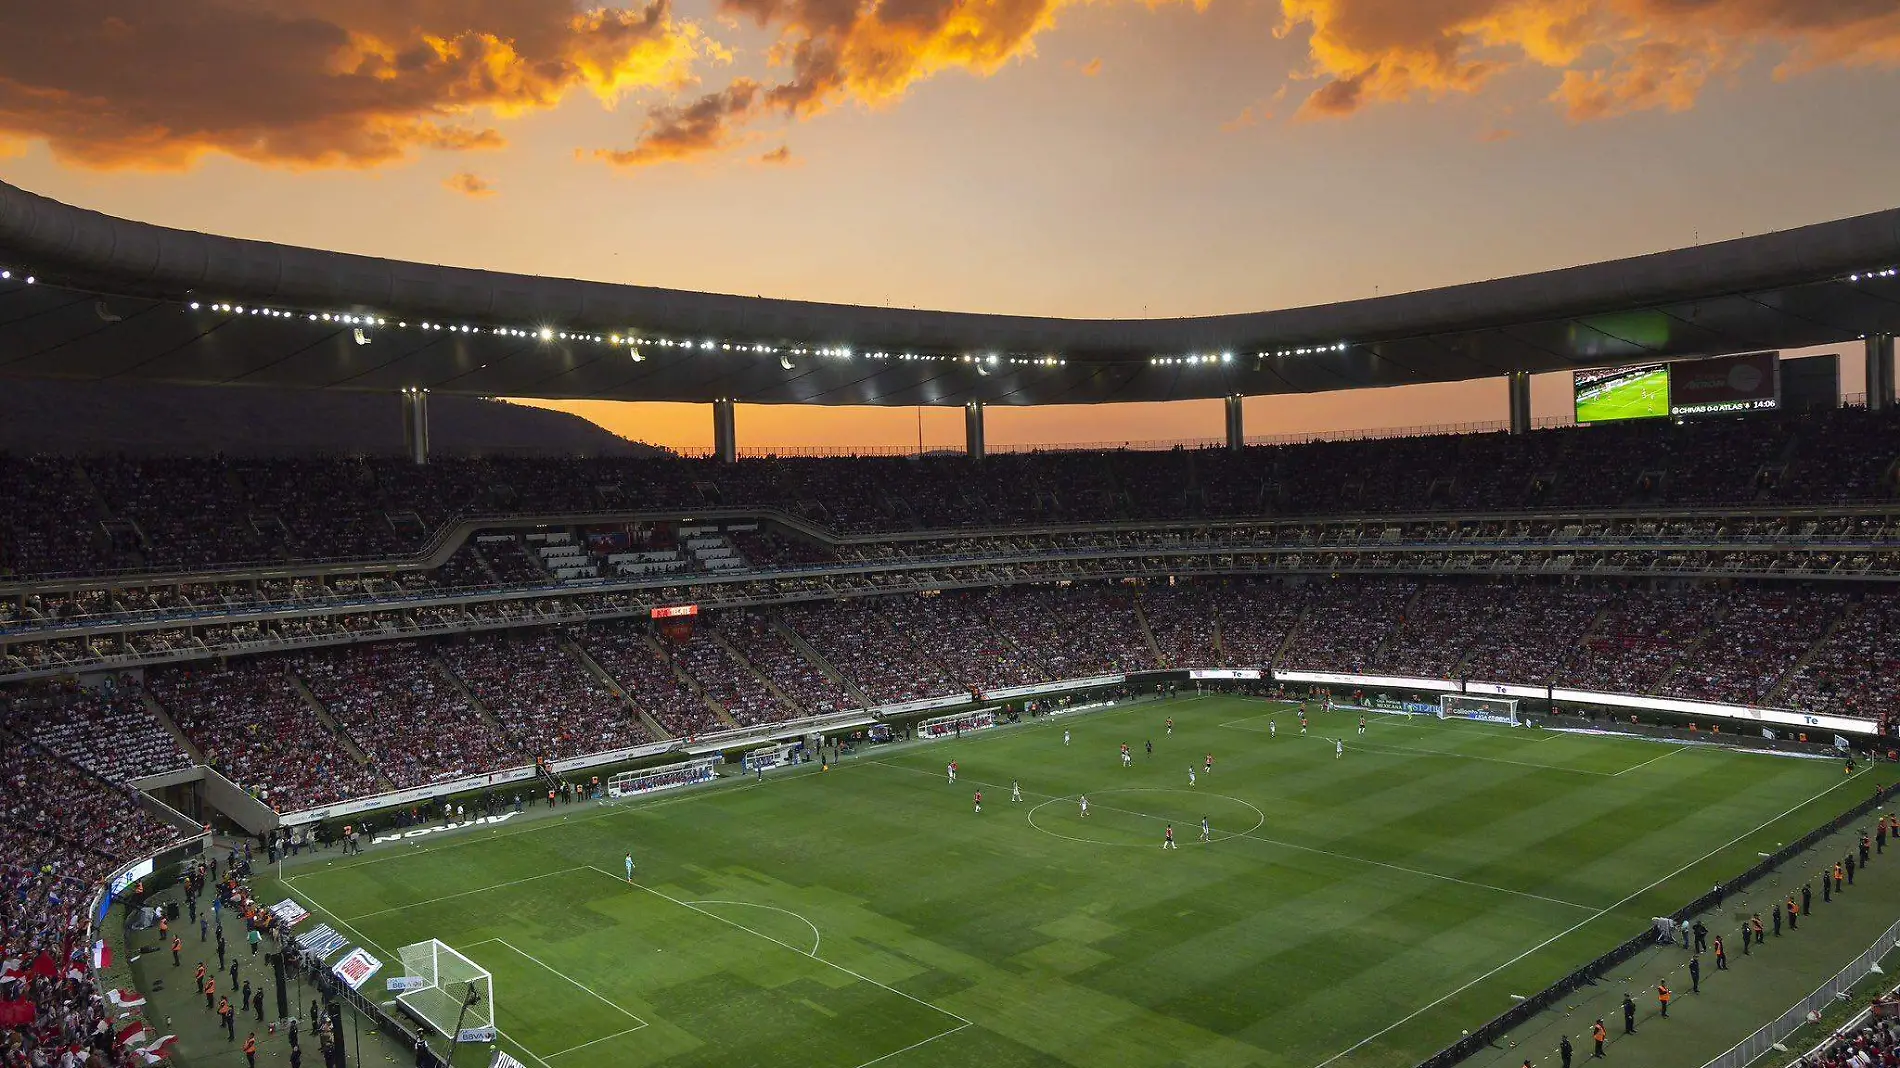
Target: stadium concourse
325,629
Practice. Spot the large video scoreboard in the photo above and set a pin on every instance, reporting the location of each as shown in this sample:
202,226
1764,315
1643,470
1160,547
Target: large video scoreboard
1745,383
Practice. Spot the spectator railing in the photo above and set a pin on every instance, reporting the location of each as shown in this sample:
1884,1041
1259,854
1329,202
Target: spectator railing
1773,1034
1488,1034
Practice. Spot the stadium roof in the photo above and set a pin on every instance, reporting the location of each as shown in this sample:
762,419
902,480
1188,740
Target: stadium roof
123,300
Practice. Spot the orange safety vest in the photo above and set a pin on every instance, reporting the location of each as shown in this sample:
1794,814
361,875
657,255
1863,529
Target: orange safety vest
1662,994
1597,1032
250,1044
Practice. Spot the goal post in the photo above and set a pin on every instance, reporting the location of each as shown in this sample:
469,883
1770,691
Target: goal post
1484,709
438,981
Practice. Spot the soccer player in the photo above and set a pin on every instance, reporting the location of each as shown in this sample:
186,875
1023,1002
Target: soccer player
1190,775
1206,835
1151,753
1362,724
1273,728
1128,760
1085,806
1207,767
1015,790
979,802
951,768
1339,748
1167,838
1065,736
1170,724
629,867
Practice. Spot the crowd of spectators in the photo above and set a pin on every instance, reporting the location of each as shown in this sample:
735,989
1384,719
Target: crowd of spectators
109,732
1871,1042
542,695
394,702
1639,639
1348,620
1759,637
251,721
628,652
62,833
1082,630
1854,668
791,671
174,514
855,637
733,686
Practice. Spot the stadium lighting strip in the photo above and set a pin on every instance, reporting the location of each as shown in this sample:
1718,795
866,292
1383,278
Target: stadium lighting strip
1228,357
7,275
634,342
1889,272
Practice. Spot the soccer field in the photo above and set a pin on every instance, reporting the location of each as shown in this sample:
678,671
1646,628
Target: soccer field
1351,911
1643,397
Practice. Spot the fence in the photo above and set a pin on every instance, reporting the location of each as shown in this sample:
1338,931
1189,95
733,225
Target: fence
1489,1033
1764,1041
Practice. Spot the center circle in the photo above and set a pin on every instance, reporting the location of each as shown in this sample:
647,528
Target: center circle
1135,816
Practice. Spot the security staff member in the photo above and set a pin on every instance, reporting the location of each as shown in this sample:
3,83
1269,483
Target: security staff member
1563,1050
1662,997
1598,1035
1629,1015
1695,975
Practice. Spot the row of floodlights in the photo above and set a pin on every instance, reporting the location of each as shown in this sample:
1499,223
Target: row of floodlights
1228,357
7,276
1888,273
548,333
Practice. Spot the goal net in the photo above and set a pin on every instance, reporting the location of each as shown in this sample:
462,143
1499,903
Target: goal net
1482,709
439,982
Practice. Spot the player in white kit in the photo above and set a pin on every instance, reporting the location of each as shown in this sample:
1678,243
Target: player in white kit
1206,832
1339,748
951,770
1085,806
1190,775
1015,790
1273,728
1065,736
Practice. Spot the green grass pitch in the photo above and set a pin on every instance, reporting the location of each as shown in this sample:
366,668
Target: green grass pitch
1353,911
1643,397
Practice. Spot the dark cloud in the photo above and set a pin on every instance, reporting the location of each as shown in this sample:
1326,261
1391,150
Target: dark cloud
303,83
708,124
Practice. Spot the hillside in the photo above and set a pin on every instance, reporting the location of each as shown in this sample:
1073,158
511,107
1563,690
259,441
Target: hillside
85,417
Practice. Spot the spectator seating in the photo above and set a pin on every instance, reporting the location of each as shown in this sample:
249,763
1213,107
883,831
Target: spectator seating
541,695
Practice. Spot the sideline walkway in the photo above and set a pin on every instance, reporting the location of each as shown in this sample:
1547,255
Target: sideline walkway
1733,1004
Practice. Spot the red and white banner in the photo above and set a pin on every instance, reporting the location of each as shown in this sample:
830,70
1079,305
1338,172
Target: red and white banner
125,998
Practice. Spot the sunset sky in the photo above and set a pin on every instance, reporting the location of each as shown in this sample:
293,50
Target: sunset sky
1032,156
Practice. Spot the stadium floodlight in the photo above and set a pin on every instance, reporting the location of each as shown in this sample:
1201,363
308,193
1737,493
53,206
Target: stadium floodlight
450,991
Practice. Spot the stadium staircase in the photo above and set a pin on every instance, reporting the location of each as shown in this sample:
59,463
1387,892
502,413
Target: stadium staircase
166,721
811,653
692,684
1148,634
468,695
798,711
587,661
342,736
1780,688
1279,651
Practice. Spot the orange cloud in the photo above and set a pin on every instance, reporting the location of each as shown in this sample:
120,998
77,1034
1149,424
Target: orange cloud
1615,56
1496,135
470,185
779,157
675,133
1092,67
838,50
314,83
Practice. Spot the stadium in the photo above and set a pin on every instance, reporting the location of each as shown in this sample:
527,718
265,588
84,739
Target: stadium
1409,749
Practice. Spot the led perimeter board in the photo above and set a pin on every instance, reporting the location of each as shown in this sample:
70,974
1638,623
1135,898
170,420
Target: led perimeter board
1607,395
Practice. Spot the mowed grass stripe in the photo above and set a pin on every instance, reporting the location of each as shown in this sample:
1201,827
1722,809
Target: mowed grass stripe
1243,953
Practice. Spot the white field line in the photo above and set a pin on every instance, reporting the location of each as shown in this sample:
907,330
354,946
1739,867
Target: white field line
761,934
1374,747
1284,844
1652,760
583,987
1580,924
596,1042
465,893
913,1045
816,938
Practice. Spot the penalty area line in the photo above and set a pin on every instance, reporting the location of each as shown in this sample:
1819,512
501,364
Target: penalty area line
465,893
914,1045
761,934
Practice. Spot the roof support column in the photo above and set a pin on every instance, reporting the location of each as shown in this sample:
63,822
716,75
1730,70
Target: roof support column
725,431
1879,372
1520,387
974,445
415,424
1236,423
